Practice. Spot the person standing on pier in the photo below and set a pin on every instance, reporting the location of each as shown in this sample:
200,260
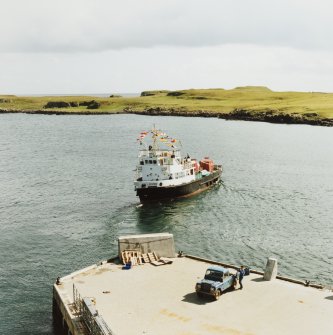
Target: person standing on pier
241,273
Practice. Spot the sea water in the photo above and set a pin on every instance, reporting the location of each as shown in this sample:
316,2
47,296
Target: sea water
66,194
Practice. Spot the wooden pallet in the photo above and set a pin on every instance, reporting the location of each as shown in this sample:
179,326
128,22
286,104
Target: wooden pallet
145,258
152,256
133,256
136,258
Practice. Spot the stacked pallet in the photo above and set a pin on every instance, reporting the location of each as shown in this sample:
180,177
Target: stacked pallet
133,256
136,258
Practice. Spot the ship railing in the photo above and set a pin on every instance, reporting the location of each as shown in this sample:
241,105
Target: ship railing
86,310
158,153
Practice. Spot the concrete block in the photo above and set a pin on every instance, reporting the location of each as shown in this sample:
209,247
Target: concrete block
162,243
271,269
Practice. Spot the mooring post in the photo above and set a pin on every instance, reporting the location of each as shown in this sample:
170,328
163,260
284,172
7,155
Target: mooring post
271,269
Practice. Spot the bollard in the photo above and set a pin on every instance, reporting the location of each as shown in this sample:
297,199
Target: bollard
271,269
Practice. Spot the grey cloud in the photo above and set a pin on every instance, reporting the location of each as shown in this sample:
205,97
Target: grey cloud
87,25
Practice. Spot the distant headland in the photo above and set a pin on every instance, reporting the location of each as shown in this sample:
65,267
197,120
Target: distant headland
250,103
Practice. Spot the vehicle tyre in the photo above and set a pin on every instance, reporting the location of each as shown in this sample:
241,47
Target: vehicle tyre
217,295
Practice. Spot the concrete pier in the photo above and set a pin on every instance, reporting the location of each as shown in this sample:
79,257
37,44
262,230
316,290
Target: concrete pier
147,299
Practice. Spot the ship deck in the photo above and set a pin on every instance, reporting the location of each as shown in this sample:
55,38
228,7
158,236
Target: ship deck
150,299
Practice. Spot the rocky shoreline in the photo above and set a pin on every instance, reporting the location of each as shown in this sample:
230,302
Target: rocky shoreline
57,112
243,115
271,116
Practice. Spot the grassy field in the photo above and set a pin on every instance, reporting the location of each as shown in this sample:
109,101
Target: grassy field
252,99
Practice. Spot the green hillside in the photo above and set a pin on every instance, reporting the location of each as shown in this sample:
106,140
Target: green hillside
249,100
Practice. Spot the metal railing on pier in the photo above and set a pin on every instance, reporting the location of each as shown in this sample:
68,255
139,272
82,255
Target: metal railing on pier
88,313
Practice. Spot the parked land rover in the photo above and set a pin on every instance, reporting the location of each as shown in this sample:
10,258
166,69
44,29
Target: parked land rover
217,279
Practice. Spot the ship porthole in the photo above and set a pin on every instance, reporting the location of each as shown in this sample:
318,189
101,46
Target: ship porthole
161,184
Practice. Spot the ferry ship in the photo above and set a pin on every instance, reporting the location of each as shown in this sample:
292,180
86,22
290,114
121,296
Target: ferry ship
162,173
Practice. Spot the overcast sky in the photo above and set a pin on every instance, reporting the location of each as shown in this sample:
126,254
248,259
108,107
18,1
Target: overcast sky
107,46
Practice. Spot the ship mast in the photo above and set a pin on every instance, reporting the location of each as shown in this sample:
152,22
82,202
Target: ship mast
154,144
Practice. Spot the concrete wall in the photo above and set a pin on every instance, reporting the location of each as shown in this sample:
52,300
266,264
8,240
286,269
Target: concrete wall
162,243
61,314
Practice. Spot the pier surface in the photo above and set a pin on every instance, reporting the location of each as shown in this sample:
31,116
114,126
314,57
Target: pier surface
161,300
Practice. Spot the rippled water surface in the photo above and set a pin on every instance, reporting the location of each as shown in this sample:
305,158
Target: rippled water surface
66,194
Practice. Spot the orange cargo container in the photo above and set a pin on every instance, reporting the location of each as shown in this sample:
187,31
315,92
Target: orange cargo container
207,164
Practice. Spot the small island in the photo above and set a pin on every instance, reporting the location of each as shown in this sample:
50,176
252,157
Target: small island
251,103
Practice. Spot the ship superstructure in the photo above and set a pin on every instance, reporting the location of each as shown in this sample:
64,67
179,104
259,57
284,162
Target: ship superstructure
162,172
